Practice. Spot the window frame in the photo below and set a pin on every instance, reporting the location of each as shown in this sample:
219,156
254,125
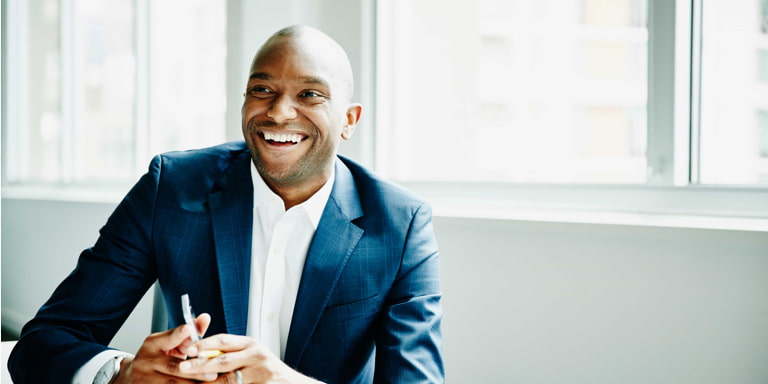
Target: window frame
14,116
672,189
673,194
16,104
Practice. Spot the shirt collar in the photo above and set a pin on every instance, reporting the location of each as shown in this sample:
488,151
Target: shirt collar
313,206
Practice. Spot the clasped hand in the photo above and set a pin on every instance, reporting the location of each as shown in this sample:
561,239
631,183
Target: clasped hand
172,357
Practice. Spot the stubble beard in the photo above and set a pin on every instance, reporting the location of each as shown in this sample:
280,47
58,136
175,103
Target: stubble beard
314,161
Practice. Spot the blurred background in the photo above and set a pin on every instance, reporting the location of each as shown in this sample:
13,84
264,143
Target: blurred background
598,168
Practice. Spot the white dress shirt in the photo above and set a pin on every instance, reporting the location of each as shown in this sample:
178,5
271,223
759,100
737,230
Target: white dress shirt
280,242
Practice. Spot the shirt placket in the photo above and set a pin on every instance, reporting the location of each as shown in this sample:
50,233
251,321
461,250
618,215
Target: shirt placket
274,282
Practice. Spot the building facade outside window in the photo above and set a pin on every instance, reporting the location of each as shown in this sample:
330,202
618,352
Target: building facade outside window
86,81
528,91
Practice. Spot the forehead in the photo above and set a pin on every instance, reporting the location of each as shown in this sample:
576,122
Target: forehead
290,59
304,58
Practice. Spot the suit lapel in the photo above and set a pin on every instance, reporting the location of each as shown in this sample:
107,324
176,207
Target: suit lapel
231,206
334,240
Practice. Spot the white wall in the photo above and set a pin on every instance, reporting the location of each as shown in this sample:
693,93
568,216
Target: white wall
536,302
41,242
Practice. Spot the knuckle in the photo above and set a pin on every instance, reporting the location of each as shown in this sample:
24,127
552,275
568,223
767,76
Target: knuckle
171,365
262,373
223,360
259,354
152,339
227,339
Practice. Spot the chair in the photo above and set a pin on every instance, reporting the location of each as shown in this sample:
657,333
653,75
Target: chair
5,351
159,312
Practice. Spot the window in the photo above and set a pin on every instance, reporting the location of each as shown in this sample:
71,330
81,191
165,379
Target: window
734,92
518,91
582,91
95,88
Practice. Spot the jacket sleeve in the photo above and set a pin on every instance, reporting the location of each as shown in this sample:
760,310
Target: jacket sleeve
86,310
409,340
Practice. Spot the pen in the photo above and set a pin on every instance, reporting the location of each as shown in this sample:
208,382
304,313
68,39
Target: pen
209,353
189,318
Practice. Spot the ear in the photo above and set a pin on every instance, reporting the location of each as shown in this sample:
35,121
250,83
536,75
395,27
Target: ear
354,111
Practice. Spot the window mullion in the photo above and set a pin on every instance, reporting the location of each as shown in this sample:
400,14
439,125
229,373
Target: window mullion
695,95
68,96
16,23
142,100
660,153
684,101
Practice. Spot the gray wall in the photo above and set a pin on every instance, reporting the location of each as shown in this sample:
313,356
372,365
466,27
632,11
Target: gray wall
529,302
525,302
41,241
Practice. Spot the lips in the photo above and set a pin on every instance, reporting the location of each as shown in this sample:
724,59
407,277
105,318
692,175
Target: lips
281,139
294,138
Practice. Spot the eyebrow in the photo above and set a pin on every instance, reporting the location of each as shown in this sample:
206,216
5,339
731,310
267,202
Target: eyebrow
303,80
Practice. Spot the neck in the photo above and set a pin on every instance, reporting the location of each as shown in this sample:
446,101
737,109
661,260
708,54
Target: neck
294,194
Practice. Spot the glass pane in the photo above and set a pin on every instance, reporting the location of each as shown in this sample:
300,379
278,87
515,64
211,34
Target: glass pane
187,71
734,92
521,91
104,90
37,139
78,97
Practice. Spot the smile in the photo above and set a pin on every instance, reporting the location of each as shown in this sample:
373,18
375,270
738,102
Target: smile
282,138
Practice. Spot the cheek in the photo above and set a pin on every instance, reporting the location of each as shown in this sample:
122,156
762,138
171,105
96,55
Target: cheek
329,125
245,116
245,108
250,110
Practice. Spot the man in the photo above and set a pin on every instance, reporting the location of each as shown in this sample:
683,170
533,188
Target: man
308,268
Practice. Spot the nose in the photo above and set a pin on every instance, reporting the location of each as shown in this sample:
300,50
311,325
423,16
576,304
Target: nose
282,109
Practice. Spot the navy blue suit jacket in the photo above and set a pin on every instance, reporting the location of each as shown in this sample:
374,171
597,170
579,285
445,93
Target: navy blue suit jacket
368,308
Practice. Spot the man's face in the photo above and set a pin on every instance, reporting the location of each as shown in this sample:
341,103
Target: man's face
296,111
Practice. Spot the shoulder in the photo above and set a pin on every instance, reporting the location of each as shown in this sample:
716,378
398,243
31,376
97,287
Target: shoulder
379,194
219,156
192,174
200,164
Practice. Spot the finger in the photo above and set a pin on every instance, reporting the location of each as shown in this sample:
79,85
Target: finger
178,336
226,342
228,362
149,367
153,376
229,378
168,340
174,342
183,350
172,367
225,378
202,322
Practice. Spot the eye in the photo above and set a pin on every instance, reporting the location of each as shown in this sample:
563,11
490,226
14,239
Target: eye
259,91
310,94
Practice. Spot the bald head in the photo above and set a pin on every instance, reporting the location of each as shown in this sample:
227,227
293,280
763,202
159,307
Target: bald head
304,44
296,110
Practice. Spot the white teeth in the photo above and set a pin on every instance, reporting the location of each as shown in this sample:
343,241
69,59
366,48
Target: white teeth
282,137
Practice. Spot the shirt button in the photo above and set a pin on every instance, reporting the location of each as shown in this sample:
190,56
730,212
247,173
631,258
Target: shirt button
270,316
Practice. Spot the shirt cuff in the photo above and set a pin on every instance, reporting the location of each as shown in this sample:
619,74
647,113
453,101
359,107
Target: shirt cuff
87,373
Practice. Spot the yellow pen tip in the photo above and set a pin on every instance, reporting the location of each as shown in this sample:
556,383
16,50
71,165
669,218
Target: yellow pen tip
208,354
